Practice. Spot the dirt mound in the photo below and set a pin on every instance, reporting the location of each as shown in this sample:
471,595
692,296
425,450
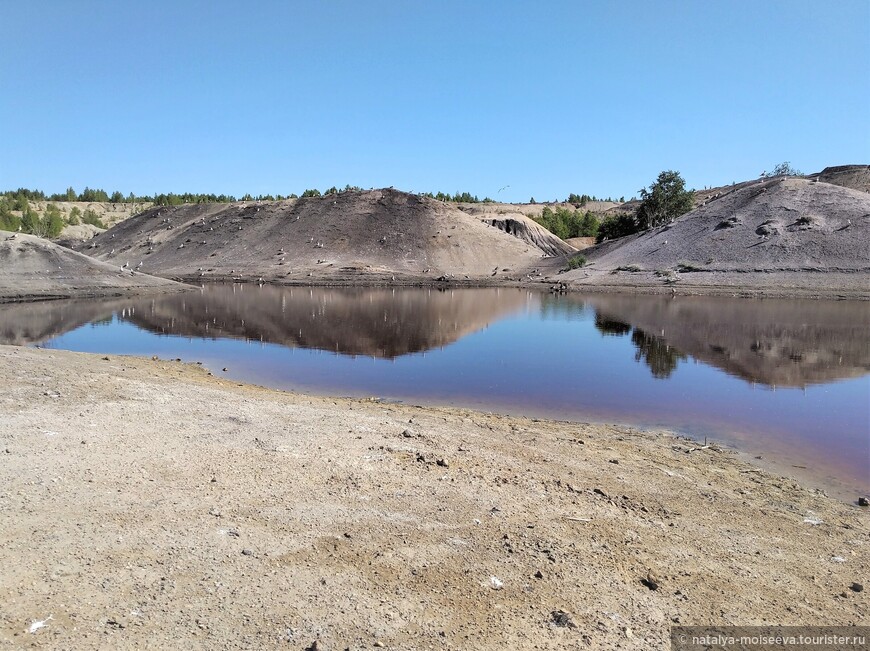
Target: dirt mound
528,230
774,226
370,236
856,177
34,268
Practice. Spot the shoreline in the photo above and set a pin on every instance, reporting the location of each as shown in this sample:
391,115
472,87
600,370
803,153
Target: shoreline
151,503
859,291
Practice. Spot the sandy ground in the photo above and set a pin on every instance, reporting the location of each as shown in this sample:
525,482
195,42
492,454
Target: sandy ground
149,505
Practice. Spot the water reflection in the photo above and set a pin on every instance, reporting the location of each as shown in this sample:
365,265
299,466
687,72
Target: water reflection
770,342
383,323
789,343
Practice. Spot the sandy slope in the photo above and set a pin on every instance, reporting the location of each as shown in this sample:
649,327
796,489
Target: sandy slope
373,236
32,268
784,234
148,505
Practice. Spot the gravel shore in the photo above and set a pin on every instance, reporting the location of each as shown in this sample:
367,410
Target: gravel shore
150,505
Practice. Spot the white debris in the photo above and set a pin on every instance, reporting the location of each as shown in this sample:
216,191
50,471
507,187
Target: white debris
812,519
35,626
495,583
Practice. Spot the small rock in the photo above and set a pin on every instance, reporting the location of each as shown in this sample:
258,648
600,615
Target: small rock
378,645
856,587
651,581
443,463
495,583
561,618
862,501
225,369
598,491
407,433
314,646
247,552
539,574
616,461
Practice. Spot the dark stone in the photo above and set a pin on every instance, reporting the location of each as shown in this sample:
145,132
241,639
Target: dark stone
856,587
539,574
651,581
862,501
561,618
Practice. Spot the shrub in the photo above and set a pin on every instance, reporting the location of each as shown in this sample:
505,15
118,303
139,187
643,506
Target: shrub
577,261
91,217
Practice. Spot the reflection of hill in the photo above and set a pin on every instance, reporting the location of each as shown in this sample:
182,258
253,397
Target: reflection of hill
32,323
357,321
376,322
775,342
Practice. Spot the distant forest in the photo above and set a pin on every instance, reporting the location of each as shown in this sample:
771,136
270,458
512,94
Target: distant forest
177,199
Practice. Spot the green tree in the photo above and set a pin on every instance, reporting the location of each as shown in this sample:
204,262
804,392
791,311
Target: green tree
92,218
75,216
311,193
30,222
52,221
664,201
70,194
615,226
8,221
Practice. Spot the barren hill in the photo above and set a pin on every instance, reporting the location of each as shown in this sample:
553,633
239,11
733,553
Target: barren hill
32,268
368,236
789,232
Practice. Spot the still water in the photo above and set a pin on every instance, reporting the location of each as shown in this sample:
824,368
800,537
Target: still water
789,380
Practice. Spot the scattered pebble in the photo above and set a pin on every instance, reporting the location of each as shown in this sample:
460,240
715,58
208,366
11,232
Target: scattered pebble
856,587
863,501
539,574
247,552
495,583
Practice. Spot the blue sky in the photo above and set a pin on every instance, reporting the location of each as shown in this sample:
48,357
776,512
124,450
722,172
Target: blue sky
548,98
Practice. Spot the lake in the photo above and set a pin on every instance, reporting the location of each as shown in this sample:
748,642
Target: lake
785,379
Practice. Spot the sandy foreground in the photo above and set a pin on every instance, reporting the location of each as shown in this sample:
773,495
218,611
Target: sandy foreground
148,505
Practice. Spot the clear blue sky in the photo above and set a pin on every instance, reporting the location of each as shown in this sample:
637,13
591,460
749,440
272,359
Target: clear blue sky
546,97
